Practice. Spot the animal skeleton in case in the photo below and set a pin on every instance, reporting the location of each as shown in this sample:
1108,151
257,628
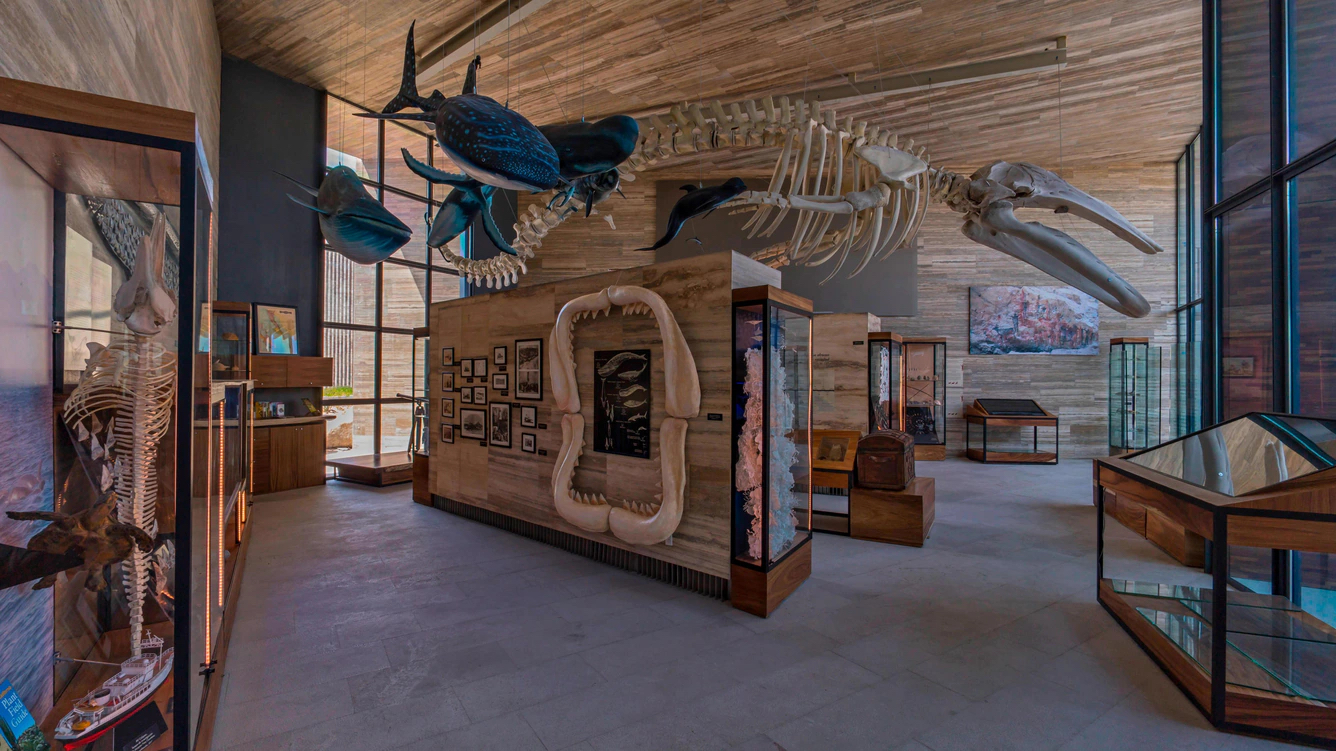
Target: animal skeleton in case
859,193
129,387
636,522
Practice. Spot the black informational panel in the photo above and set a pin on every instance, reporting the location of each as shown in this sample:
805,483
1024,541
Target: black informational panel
1010,407
884,288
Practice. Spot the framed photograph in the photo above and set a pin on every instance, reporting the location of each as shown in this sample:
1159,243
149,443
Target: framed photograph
466,395
447,356
479,394
447,434
499,435
528,443
473,424
1238,367
466,368
499,355
447,380
275,330
529,369
528,416
480,367
448,408
500,382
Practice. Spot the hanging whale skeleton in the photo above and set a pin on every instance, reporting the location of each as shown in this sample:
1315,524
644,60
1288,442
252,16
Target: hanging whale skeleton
827,170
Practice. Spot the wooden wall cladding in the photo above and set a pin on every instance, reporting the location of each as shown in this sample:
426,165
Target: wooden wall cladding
518,484
839,370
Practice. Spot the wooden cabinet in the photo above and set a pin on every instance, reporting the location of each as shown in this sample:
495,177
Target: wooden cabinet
288,371
289,456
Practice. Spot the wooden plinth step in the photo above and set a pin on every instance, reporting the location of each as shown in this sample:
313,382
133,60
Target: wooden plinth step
903,517
760,592
374,469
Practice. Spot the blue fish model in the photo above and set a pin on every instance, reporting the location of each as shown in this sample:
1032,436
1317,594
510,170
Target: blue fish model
354,224
698,201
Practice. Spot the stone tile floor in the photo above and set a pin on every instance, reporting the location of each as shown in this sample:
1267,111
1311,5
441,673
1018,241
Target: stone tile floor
369,622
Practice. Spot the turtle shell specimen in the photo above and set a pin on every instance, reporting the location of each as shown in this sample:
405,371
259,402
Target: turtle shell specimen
495,145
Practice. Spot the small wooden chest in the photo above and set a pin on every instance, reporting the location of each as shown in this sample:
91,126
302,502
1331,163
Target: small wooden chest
885,460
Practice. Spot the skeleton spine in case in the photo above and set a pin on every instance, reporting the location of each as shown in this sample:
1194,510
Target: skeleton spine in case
636,522
129,386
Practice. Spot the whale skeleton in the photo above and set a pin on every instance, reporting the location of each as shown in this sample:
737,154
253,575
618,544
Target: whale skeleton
859,194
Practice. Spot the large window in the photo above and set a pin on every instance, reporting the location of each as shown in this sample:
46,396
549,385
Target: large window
1269,136
1188,298
370,312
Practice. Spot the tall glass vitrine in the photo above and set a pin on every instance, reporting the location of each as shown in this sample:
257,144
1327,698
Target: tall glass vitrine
925,396
886,385
772,438
1134,394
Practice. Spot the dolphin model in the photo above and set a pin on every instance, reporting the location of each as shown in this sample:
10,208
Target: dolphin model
698,201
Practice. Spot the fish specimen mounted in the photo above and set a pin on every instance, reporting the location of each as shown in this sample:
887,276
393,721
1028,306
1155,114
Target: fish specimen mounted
698,201
490,142
589,148
874,185
354,224
93,535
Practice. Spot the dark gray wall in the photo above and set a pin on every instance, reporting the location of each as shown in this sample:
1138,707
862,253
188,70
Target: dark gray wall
505,212
268,246
884,288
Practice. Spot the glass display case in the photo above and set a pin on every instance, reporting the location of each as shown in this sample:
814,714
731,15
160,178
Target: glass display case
1256,654
102,639
886,386
925,396
1134,394
229,345
419,443
772,462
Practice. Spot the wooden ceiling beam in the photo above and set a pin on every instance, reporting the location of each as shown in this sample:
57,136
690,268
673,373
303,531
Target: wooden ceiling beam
460,45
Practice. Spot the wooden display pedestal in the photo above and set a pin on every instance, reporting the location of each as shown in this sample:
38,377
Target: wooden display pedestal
421,479
903,517
1182,544
930,452
760,592
374,469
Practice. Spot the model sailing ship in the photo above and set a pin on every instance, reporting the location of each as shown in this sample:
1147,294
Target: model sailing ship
116,699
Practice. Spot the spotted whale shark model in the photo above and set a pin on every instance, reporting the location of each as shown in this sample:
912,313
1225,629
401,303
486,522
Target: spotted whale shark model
354,224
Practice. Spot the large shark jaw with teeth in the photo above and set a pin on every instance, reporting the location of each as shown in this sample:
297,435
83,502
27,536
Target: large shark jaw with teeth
636,522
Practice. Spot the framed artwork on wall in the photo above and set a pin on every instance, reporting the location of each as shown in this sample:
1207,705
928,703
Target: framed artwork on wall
275,329
528,416
528,443
499,355
499,435
447,408
466,368
1238,367
466,395
622,402
500,382
479,394
473,424
1033,320
447,434
529,369
480,367
447,356
448,380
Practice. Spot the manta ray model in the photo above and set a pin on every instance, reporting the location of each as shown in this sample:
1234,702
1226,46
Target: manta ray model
354,224
698,201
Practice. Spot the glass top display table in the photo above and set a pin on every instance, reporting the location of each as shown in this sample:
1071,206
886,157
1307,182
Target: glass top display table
1254,656
1010,413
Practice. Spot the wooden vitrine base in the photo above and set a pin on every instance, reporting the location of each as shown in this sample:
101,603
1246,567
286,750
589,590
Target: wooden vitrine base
1182,544
903,517
421,479
760,592
930,452
374,469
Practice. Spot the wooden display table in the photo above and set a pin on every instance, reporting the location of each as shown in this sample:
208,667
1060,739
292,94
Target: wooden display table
903,517
374,469
1251,662
977,415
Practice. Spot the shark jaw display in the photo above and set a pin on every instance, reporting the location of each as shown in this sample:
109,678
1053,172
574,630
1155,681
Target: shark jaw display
636,522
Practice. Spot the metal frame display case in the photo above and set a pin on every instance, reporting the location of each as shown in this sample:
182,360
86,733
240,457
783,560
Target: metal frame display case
230,341
885,381
772,439
925,396
118,164
1260,481
1134,394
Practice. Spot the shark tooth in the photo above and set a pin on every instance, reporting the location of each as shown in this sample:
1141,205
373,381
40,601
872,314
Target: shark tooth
81,431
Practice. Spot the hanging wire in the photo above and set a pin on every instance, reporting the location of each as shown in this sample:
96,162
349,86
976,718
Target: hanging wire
508,55
548,76
583,82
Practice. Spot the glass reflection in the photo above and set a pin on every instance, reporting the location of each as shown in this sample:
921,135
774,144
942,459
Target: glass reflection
1246,454
1246,307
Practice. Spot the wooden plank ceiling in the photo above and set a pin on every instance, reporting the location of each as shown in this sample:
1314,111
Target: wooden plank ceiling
1131,92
